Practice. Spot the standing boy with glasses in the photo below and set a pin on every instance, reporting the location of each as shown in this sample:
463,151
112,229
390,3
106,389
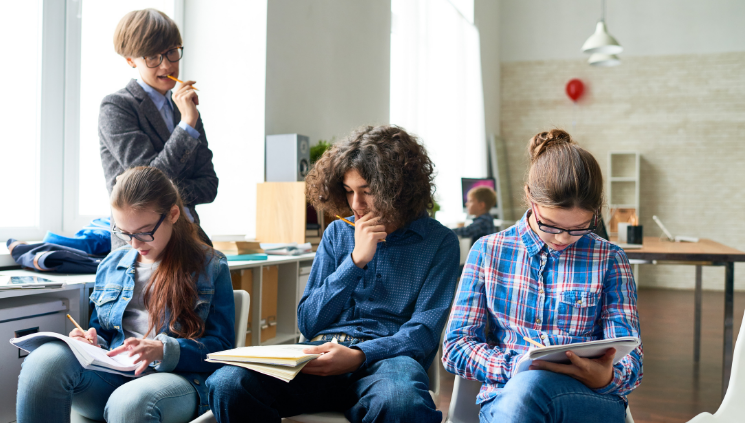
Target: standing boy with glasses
551,279
148,123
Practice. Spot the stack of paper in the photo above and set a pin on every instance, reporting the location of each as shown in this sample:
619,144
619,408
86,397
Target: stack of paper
26,282
281,361
591,349
237,248
287,249
90,356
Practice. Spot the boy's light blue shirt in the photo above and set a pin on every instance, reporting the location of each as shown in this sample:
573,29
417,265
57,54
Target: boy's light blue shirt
165,106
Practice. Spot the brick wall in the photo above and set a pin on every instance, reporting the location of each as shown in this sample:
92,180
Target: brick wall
685,114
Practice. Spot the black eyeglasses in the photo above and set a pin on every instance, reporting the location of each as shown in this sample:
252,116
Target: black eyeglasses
142,236
572,232
173,55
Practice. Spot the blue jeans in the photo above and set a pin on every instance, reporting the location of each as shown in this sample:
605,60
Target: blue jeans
543,396
52,380
390,390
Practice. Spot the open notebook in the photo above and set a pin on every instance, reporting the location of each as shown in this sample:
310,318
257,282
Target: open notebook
281,361
591,349
89,356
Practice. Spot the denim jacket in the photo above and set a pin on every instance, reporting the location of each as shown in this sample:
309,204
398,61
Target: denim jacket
215,306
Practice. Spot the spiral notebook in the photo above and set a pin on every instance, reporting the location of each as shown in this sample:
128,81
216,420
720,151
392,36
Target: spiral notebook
591,349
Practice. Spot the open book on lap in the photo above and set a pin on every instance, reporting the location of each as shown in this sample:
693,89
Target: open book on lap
590,349
281,361
90,356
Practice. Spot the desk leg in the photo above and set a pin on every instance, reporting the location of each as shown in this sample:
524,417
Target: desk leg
697,318
729,287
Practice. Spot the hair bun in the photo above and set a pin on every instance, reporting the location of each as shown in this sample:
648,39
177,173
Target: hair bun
543,141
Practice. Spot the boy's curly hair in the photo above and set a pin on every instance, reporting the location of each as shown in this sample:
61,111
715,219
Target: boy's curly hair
394,164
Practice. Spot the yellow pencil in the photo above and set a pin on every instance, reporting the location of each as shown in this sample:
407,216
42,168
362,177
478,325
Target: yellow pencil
178,80
351,223
78,326
533,342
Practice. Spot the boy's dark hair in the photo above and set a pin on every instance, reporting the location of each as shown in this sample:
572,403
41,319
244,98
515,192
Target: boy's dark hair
145,33
394,164
563,174
485,195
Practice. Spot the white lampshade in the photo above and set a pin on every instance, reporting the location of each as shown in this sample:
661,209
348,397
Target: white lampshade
604,60
601,42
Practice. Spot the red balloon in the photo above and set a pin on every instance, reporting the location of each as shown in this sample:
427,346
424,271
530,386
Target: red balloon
574,89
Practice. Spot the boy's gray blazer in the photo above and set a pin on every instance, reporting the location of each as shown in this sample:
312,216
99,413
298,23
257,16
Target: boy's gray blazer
132,133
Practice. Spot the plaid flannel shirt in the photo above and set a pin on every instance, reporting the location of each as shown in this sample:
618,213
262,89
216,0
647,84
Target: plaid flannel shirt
513,285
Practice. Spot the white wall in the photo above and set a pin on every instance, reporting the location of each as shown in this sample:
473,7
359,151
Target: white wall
550,29
225,53
328,66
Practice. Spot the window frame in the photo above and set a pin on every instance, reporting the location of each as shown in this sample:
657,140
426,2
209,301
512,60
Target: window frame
51,126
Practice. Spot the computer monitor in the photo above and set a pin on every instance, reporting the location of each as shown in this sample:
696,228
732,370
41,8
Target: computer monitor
468,184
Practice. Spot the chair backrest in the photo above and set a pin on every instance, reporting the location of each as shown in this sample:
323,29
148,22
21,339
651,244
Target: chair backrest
732,407
242,306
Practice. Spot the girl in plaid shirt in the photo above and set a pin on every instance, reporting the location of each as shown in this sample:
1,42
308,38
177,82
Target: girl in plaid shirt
551,279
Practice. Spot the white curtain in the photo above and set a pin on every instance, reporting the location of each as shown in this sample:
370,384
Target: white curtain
437,93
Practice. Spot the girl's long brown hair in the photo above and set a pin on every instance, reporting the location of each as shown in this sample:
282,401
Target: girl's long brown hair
173,286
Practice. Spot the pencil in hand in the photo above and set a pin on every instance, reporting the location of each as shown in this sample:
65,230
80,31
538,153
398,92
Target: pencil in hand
180,81
78,326
533,342
351,223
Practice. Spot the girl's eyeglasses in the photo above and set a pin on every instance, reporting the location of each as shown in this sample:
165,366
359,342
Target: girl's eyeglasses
554,230
173,55
142,236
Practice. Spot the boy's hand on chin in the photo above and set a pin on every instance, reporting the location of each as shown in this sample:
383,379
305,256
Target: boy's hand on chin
368,232
595,373
336,360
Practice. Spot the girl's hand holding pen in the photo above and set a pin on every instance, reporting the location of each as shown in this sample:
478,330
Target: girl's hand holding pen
149,350
368,232
595,373
187,100
88,336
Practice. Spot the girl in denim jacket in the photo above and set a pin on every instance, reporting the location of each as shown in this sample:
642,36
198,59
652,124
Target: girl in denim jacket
166,297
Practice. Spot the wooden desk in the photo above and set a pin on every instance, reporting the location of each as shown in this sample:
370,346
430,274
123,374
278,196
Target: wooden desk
703,253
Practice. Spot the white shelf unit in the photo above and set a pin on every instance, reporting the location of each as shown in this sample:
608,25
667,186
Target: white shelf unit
291,283
623,180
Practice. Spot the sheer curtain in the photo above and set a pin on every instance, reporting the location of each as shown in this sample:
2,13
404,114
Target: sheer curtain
437,93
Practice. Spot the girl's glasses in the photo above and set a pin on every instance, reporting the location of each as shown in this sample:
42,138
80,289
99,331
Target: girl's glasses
554,230
173,55
142,236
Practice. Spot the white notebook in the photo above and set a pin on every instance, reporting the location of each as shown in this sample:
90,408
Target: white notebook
590,349
281,361
90,356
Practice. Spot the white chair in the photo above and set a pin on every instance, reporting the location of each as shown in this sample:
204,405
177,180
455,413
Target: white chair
335,417
242,305
463,407
732,408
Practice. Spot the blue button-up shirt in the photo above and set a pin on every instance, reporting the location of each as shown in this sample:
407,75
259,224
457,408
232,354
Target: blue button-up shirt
400,300
482,225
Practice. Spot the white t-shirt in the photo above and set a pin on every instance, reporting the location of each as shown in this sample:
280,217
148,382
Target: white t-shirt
135,319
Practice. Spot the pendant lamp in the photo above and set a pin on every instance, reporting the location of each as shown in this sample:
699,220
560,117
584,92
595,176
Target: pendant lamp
604,60
601,42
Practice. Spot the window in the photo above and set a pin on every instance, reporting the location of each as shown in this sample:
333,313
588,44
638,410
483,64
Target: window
19,149
436,91
101,72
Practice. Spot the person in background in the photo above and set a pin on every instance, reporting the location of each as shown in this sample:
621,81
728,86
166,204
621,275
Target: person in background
549,278
478,203
148,123
166,297
382,288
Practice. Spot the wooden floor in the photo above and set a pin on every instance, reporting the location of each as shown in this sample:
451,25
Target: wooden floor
673,388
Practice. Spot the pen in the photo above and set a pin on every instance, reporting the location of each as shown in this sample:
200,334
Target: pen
345,220
533,342
178,80
78,326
